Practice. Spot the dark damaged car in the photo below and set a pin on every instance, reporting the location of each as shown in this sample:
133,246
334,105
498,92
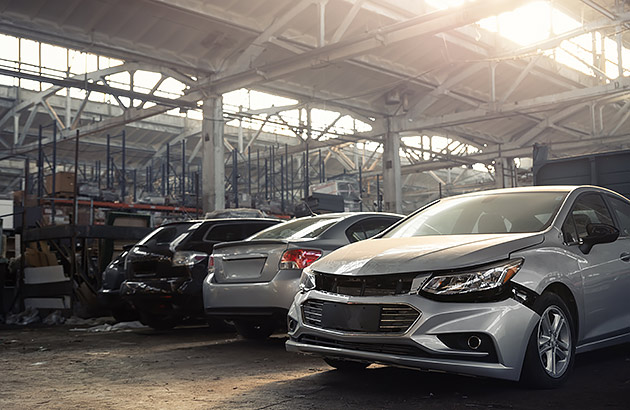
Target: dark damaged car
166,269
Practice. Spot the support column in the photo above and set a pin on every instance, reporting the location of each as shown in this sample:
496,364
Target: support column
392,188
16,129
503,168
213,177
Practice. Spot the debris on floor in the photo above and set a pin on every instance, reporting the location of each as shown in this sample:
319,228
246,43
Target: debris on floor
55,318
121,326
27,317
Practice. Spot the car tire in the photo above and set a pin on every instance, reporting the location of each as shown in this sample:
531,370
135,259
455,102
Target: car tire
551,349
158,322
254,330
346,365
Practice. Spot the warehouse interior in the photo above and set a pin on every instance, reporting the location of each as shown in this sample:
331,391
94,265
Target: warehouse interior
177,108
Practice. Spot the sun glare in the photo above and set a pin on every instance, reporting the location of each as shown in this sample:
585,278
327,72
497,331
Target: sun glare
538,21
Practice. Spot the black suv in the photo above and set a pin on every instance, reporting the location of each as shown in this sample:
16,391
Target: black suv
165,270
109,292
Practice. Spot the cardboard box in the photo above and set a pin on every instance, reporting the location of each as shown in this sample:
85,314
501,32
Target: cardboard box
34,257
64,183
18,196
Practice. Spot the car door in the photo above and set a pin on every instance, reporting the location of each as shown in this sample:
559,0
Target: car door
601,270
621,211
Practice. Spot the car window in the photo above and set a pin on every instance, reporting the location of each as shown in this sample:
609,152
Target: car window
165,234
621,210
251,228
224,233
568,231
233,231
515,212
588,209
302,228
356,233
367,228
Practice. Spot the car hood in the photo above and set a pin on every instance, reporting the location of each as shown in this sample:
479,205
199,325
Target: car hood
426,253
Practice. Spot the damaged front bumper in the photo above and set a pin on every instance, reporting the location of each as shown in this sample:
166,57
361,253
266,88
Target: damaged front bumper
181,296
482,339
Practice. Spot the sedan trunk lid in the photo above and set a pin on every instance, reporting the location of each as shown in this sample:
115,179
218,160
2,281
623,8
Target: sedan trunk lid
247,261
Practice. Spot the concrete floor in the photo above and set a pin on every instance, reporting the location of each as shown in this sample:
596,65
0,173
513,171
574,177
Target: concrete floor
192,367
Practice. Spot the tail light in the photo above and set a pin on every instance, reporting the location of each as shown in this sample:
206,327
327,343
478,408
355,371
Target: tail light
211,264
188,258
298,258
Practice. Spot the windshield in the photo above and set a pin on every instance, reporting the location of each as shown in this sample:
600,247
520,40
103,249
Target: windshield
303,228
517,212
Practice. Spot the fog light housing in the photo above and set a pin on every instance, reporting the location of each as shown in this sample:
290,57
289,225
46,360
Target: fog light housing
291,324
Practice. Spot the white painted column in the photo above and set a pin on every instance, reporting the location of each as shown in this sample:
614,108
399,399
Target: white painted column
392,188
503,168
213,174
16,129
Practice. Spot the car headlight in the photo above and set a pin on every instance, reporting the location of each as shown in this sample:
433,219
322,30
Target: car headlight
307,280
188,258
489,279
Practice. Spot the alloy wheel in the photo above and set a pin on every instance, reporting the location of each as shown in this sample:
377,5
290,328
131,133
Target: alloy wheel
554,341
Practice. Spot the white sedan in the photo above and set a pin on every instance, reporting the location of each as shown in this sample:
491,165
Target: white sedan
507,283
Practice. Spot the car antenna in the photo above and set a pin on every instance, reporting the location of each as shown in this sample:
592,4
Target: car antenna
309,208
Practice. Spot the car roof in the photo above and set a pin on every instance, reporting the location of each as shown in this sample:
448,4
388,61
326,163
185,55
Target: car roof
538,188
195,221
349,214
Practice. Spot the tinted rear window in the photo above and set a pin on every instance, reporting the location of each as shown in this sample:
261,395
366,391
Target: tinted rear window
303,228
165,234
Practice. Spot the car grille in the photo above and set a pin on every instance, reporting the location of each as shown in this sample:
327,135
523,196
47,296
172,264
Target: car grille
384,348
393,318
376,285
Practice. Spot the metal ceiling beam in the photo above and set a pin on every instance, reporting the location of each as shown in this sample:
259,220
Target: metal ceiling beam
566,147
329,126
81,84
553,42
484,113
532,133
426,25
433,96
464,37
603,11
36,99
470,136
619,119
94,43
271,110
347,20
255,137
521,76
27,125
256,47
178,138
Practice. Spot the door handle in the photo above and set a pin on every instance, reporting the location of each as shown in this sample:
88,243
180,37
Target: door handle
625,256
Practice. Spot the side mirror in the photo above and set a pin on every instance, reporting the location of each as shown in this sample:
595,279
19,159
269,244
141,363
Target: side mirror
128,246
598,233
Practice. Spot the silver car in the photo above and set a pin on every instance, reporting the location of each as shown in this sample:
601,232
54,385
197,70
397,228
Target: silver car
253,282
507,283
